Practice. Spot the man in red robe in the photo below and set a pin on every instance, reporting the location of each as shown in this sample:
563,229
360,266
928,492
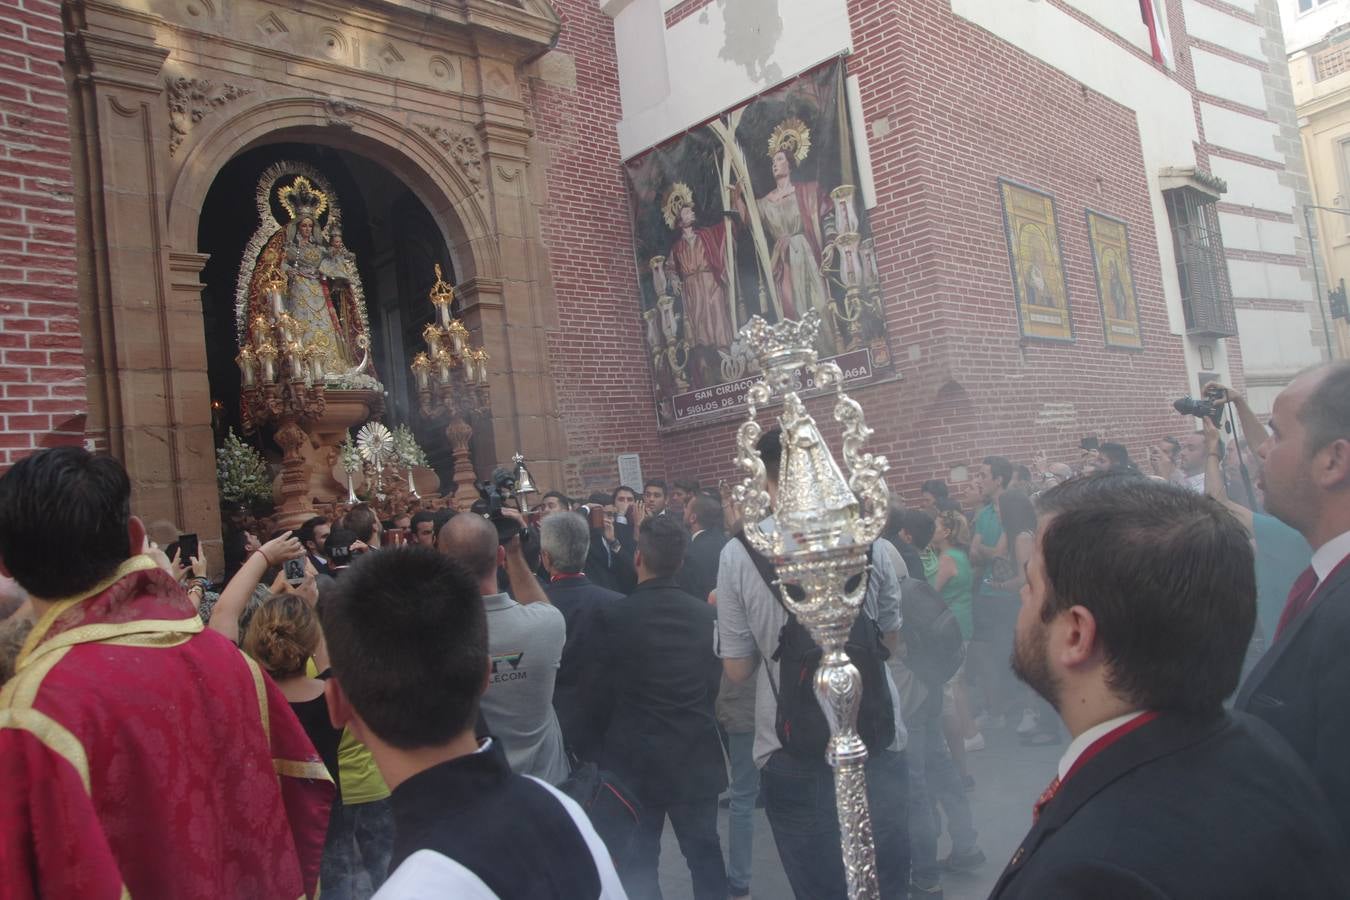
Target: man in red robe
139,754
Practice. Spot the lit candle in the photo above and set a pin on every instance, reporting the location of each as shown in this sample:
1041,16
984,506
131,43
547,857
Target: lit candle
295,360
260,326
316,364
267,355
481,358
470,368
421,367
444,362
432,335
458,335
247,362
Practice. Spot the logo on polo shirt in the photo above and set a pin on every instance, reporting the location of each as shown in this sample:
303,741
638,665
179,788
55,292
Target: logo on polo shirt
511,659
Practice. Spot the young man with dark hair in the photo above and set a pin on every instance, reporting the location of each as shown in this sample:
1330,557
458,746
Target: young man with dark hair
1300,684
1113,457
703,519
989,479
114,770
408,639
799,791
682,490
363,520
423,527
312,534
526,639
662,737
564,543
554,502
1135,617
654,497
916,533
936,498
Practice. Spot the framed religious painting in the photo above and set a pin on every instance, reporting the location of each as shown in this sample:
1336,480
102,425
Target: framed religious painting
755,212
1037,260
1110,242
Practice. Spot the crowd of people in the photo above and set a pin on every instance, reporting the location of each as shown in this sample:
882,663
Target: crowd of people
513,706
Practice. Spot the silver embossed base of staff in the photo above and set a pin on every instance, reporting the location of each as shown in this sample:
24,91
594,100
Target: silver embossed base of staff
822,524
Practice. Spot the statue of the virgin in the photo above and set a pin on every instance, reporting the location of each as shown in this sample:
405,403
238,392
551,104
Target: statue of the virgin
323,287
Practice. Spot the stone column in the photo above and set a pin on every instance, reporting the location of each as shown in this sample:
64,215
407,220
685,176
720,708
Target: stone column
148,385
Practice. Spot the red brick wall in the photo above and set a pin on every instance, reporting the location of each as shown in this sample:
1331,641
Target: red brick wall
42,390
964,109
597,356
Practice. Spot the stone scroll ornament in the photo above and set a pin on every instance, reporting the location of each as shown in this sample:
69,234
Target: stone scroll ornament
299,242
822,524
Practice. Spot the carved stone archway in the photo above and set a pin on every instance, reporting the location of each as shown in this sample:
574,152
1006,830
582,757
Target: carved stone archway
166,93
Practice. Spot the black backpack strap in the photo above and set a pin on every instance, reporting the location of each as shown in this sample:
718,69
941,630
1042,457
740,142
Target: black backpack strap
770,575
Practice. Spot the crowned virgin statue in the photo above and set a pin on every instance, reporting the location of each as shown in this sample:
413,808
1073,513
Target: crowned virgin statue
323,287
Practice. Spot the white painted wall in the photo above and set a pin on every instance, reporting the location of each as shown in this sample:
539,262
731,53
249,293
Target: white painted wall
1250,233
1230,80
1122,18
1284,346
1250,185
1274,281
1217,27
1240,132
727,52
1303,29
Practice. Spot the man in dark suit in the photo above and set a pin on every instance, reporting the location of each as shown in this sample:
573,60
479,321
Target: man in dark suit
662,738
1139,603
564,540
703,518
1300,685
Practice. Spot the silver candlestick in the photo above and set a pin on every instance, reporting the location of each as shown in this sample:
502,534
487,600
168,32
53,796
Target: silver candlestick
823,525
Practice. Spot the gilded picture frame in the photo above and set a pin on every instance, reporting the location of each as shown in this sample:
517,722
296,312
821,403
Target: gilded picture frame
1036,258
1109,239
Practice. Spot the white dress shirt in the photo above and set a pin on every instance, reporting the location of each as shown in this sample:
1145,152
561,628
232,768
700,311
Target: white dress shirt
1086,739
1329,555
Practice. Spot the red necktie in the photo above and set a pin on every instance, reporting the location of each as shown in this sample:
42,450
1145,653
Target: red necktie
1088,753
1046,796
1299,595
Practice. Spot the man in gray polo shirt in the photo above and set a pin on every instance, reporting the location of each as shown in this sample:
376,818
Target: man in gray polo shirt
798,792
525,644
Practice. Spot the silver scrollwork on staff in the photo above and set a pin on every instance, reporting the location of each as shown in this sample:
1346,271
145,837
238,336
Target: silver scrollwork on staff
822,527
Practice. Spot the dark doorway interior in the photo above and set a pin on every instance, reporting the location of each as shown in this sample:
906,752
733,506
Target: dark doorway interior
396,242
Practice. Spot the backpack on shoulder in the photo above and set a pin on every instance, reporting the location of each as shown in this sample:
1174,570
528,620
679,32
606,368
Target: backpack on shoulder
800,723
934,649
613,809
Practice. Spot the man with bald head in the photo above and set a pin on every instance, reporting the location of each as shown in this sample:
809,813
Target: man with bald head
1300,684
525,644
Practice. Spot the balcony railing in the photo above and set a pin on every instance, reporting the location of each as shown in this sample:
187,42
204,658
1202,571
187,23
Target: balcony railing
1206,294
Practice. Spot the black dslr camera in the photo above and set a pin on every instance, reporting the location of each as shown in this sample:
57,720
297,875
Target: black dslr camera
1201,409
495,496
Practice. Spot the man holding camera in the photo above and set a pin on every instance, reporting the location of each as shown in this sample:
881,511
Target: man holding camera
525,644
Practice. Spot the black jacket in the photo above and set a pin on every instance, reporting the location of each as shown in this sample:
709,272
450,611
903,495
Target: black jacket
698,575
1182,807
662,678
609,570
1301,686
581,672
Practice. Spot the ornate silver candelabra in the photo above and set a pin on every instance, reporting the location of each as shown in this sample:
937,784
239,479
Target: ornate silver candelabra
823,524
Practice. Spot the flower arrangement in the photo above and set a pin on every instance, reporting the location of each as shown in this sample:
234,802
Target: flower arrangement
241,472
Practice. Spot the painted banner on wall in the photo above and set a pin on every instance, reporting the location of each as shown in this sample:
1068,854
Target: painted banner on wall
1037,261
1110,242
756,212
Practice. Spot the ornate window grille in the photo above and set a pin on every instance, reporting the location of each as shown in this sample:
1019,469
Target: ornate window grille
1202,269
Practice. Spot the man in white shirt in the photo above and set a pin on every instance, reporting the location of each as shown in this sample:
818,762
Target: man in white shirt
799,793
1299,686
408,638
